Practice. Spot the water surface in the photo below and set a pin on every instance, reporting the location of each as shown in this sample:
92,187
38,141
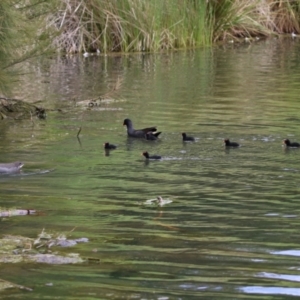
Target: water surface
231,230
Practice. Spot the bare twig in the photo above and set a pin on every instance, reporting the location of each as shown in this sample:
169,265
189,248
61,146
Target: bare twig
17,285
78,138
78,132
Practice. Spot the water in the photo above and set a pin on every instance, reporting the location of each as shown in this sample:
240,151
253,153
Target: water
231,228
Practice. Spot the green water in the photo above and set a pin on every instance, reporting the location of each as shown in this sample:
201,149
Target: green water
232,229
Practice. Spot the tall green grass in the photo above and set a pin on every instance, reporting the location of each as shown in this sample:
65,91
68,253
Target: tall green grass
153,25
236,19
130,25
285,15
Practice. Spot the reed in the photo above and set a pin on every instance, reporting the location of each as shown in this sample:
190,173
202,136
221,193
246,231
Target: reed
143,25
239,19
285,16
130,25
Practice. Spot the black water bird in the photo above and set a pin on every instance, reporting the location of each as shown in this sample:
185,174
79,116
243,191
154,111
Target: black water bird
147,156
187,138
137,133
150,136
288,143
108,146
231,144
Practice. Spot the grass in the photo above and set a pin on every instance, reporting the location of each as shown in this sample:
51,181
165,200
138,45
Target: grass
142,25
130,25
285,15
232,19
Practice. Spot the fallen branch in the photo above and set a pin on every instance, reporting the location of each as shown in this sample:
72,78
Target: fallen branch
11,284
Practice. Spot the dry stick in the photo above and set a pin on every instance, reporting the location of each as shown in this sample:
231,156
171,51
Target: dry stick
17,285
72,230
78,132
78,138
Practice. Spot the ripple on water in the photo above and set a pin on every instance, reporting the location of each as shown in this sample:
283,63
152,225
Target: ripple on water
232,206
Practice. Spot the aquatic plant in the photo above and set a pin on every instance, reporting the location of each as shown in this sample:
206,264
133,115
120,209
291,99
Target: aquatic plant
285,15
236,19
140,25
129,25
248,18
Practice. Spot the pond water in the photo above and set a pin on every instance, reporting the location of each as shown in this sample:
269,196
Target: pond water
231,227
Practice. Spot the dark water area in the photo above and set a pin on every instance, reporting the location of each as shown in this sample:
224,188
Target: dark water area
231,230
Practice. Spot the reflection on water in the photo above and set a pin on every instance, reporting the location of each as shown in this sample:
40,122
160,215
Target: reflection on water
287,252
271,291
280,276
232,228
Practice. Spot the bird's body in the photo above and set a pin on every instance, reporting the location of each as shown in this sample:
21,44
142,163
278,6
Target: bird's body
137,133
150,136
231,144
186,138
147,156
13,167
288,143
108,146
